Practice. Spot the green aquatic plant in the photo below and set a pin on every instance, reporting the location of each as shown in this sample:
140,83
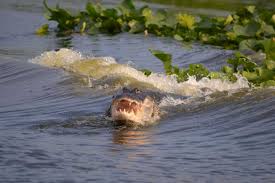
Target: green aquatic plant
182,74
259,75
249,28
187,21
66,21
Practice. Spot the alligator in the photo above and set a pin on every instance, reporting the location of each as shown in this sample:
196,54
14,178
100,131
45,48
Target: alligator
133,107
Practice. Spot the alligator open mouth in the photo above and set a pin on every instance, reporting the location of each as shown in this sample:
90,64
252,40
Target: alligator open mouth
133,107
126,105
126,109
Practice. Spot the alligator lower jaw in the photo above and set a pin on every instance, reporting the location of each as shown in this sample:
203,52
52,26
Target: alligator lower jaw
126,118
127,123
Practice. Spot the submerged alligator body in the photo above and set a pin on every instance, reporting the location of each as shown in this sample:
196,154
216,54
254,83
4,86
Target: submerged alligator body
133,107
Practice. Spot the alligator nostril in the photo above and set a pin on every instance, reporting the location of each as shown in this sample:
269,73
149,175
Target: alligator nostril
124,90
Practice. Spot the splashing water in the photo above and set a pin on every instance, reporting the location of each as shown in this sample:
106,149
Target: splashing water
100,68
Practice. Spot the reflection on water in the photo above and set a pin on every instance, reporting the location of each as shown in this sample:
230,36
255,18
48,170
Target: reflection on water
64,42
132,137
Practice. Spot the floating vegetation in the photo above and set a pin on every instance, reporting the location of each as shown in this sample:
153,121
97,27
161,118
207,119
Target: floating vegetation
248,28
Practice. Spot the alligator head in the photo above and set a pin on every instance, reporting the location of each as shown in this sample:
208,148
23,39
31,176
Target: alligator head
134,107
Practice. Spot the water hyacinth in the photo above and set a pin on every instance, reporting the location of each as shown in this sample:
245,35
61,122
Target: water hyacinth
248,28
186,20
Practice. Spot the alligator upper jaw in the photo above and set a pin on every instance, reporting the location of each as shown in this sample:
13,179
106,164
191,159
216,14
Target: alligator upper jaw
127,111
128,105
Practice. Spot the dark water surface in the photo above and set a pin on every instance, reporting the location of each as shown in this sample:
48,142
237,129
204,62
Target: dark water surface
53,129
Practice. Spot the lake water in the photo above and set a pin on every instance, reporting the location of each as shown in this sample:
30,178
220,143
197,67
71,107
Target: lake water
53,126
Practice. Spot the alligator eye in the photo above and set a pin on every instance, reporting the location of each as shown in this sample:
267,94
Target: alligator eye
137,90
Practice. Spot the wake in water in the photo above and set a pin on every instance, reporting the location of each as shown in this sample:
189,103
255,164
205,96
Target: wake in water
108,70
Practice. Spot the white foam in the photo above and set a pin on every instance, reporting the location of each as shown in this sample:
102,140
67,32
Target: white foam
171,101
108,67
67,56
219,84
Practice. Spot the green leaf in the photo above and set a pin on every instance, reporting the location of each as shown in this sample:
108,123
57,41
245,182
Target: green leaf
187,21
242,60
268,83
183,75
94,11
247,64
110,13
270,64
215,75
93,30
146,72
268,30
83,27
126,7
205,24
248,30
234,62
64,19
178,37
110,26
43,30
128,4
147,13
154,19
250,76
269,47
231,36
228,70
245,13
165,58
136,26
251,9
265,74
248,44
198,70
228,20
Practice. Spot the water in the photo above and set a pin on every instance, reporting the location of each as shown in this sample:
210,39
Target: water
53,127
